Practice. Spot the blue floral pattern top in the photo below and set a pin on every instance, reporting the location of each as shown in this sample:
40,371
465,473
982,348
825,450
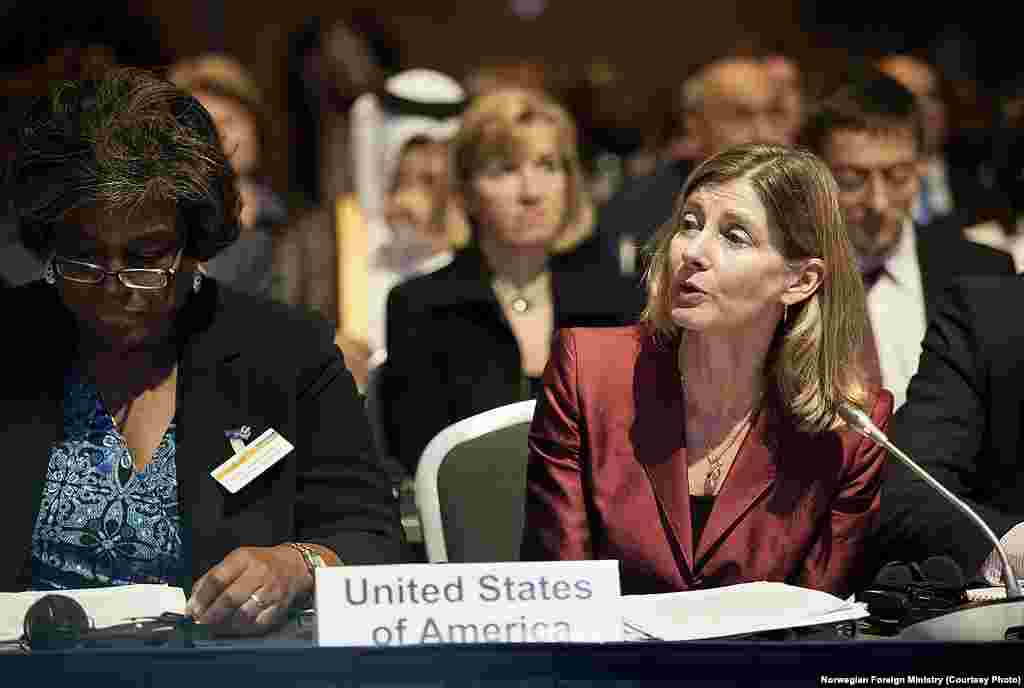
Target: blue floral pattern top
100,522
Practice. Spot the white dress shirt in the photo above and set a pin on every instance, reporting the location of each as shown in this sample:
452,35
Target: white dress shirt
897,312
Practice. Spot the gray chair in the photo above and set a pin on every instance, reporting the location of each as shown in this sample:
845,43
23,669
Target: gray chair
471,487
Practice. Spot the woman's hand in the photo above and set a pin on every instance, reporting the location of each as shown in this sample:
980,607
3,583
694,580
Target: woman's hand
250,592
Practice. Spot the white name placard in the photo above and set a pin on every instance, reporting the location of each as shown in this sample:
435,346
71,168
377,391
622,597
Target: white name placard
434,604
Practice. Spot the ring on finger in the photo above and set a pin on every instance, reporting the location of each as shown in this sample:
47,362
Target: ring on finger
258,600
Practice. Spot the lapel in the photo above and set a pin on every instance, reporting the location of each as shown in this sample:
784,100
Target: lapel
580,295
752,473
659,439
940,257
463,282
213,396
659,436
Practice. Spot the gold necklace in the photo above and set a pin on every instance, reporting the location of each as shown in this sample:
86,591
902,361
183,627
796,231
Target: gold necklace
715,460
522,300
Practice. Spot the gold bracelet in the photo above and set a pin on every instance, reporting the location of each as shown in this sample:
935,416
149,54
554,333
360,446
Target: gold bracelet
313,559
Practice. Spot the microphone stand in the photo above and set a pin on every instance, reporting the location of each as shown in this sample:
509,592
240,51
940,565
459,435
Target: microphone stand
986,622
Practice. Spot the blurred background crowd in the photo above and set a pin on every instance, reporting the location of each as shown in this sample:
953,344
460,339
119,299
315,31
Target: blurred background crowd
338,119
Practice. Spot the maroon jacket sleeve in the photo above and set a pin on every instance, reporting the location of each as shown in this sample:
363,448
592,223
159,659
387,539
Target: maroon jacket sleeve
556,525
837,556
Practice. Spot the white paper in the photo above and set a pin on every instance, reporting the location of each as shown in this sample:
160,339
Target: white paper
734,610
105,606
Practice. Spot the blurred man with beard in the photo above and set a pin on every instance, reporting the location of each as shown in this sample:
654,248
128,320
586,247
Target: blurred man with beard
870,134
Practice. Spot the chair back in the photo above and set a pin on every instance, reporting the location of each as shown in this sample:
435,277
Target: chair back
471,486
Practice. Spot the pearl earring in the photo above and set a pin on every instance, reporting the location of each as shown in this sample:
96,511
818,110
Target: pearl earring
50,274
197,281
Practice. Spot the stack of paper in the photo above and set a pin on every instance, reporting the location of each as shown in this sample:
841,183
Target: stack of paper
733,610
105,606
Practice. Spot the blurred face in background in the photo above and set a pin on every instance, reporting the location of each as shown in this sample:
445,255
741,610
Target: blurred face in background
236,128
785,75
419,179
921,80
740,105
519,200
878,177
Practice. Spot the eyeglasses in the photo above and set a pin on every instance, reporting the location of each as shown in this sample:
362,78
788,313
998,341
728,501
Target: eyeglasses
133,278
896,177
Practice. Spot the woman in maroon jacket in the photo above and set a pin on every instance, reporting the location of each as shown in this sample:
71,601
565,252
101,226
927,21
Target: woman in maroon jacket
702,447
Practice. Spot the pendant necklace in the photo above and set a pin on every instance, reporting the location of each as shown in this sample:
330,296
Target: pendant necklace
522,301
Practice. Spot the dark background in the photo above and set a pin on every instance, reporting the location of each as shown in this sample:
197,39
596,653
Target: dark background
653,44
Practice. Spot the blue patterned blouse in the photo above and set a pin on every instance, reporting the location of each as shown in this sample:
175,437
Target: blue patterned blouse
100,522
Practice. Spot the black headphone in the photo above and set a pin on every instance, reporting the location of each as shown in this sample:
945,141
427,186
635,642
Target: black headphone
906,592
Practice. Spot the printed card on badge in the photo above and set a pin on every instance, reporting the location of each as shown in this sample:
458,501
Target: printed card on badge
252,460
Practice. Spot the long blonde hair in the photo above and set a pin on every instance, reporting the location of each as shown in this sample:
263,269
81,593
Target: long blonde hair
813,363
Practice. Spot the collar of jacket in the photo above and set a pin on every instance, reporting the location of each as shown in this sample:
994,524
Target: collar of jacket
581,291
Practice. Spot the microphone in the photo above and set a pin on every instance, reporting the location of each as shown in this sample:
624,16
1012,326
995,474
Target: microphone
861,423
990,622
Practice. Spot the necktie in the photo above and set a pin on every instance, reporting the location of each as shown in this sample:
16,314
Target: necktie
869,352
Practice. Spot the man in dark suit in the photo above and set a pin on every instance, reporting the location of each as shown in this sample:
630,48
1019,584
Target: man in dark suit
727,102
870,134
962,422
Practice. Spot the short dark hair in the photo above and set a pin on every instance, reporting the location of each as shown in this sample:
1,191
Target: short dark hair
869,102
124,140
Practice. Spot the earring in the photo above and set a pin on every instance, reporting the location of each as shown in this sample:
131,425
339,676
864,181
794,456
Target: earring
785,313
197,281
50,274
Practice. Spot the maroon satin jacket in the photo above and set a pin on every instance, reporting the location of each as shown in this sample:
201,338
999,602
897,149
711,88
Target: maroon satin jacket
608,444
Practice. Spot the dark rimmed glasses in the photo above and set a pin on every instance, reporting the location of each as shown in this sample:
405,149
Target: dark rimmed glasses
133,278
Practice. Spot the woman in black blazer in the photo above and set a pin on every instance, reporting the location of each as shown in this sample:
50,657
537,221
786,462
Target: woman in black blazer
140,379
476,334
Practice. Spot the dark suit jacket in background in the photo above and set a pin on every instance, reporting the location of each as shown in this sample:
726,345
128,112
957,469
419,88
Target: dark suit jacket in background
608,443
245,361
944,255
452,352
963,421
644,204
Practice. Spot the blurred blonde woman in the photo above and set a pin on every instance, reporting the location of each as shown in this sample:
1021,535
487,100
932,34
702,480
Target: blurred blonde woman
475,334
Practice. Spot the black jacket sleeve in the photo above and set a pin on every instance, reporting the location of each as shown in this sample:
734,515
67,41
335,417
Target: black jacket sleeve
343,496
414,405
943,427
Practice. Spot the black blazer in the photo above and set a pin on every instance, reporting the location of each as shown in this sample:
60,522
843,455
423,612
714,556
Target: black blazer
244,361
452,352
644,204
944,255
964,422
